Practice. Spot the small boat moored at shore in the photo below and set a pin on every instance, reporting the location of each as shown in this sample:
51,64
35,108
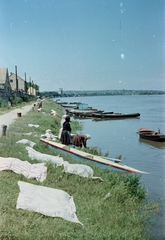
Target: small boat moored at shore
98,115
151,135
109,116
110,163
69,105
85,113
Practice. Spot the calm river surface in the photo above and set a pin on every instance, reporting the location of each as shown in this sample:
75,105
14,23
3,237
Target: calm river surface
119,137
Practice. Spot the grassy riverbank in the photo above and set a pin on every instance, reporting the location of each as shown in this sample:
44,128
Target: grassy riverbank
122,215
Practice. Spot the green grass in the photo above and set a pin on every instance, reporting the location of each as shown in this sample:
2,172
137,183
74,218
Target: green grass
123,215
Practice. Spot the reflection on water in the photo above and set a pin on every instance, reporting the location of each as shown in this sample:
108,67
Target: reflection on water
160,145
114,119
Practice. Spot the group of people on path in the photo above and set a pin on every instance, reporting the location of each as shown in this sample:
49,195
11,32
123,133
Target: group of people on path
65,136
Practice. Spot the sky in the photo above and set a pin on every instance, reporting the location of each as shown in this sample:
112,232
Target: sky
85,44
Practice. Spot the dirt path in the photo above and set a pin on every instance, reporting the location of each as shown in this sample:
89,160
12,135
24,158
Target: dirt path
10,117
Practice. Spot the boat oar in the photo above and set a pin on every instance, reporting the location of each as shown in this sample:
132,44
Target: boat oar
113,159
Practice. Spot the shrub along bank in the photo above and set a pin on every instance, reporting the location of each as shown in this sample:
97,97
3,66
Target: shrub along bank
14,102
112,209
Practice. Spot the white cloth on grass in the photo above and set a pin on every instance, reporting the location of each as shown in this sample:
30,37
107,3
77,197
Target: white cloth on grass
33,154
47,201
79,169
28,134
33,125
48,135
37,171
26,141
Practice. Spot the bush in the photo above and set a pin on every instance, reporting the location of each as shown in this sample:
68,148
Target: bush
17,100
133,184
25,98
3,103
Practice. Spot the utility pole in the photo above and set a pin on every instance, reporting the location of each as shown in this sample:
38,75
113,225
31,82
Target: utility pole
30,85
16,79
25,87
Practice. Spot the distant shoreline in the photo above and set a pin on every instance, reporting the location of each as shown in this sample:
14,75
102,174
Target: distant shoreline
123,92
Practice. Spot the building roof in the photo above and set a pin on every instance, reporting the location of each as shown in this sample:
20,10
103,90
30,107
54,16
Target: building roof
3,74
13,76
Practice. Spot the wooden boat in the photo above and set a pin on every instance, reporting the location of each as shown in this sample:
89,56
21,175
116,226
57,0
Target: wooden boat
110,163
60,102
69,105
103,116
76,105
82,113
151,135
145,130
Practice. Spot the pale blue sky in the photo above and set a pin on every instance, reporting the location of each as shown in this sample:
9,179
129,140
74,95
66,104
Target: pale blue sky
85,44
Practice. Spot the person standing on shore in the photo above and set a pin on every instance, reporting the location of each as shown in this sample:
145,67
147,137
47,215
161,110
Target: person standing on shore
39,103
66,131
62,121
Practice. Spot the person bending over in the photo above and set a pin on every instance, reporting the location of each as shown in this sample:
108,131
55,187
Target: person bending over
80,140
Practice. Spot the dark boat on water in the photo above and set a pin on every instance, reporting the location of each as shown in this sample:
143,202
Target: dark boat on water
151,135
85,113
98,115
81,110
109,116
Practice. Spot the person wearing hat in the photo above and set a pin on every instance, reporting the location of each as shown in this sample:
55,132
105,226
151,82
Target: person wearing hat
66,131
80,140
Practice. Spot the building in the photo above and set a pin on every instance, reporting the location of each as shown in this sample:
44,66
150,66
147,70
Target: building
60,91
32,91
4,80
19,85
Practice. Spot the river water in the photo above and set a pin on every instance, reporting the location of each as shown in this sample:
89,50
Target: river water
119,137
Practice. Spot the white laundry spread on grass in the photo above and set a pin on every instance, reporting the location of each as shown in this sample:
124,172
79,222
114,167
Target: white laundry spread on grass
33,125
28,134
47,201
33,154
79,169
26,141
37,171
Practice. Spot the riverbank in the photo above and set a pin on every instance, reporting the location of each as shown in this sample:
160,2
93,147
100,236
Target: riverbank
112,209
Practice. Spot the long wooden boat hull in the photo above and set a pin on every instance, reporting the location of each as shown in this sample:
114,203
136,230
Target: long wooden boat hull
115,115
60,102
69,105
157,138
98,160
98,115
82,113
